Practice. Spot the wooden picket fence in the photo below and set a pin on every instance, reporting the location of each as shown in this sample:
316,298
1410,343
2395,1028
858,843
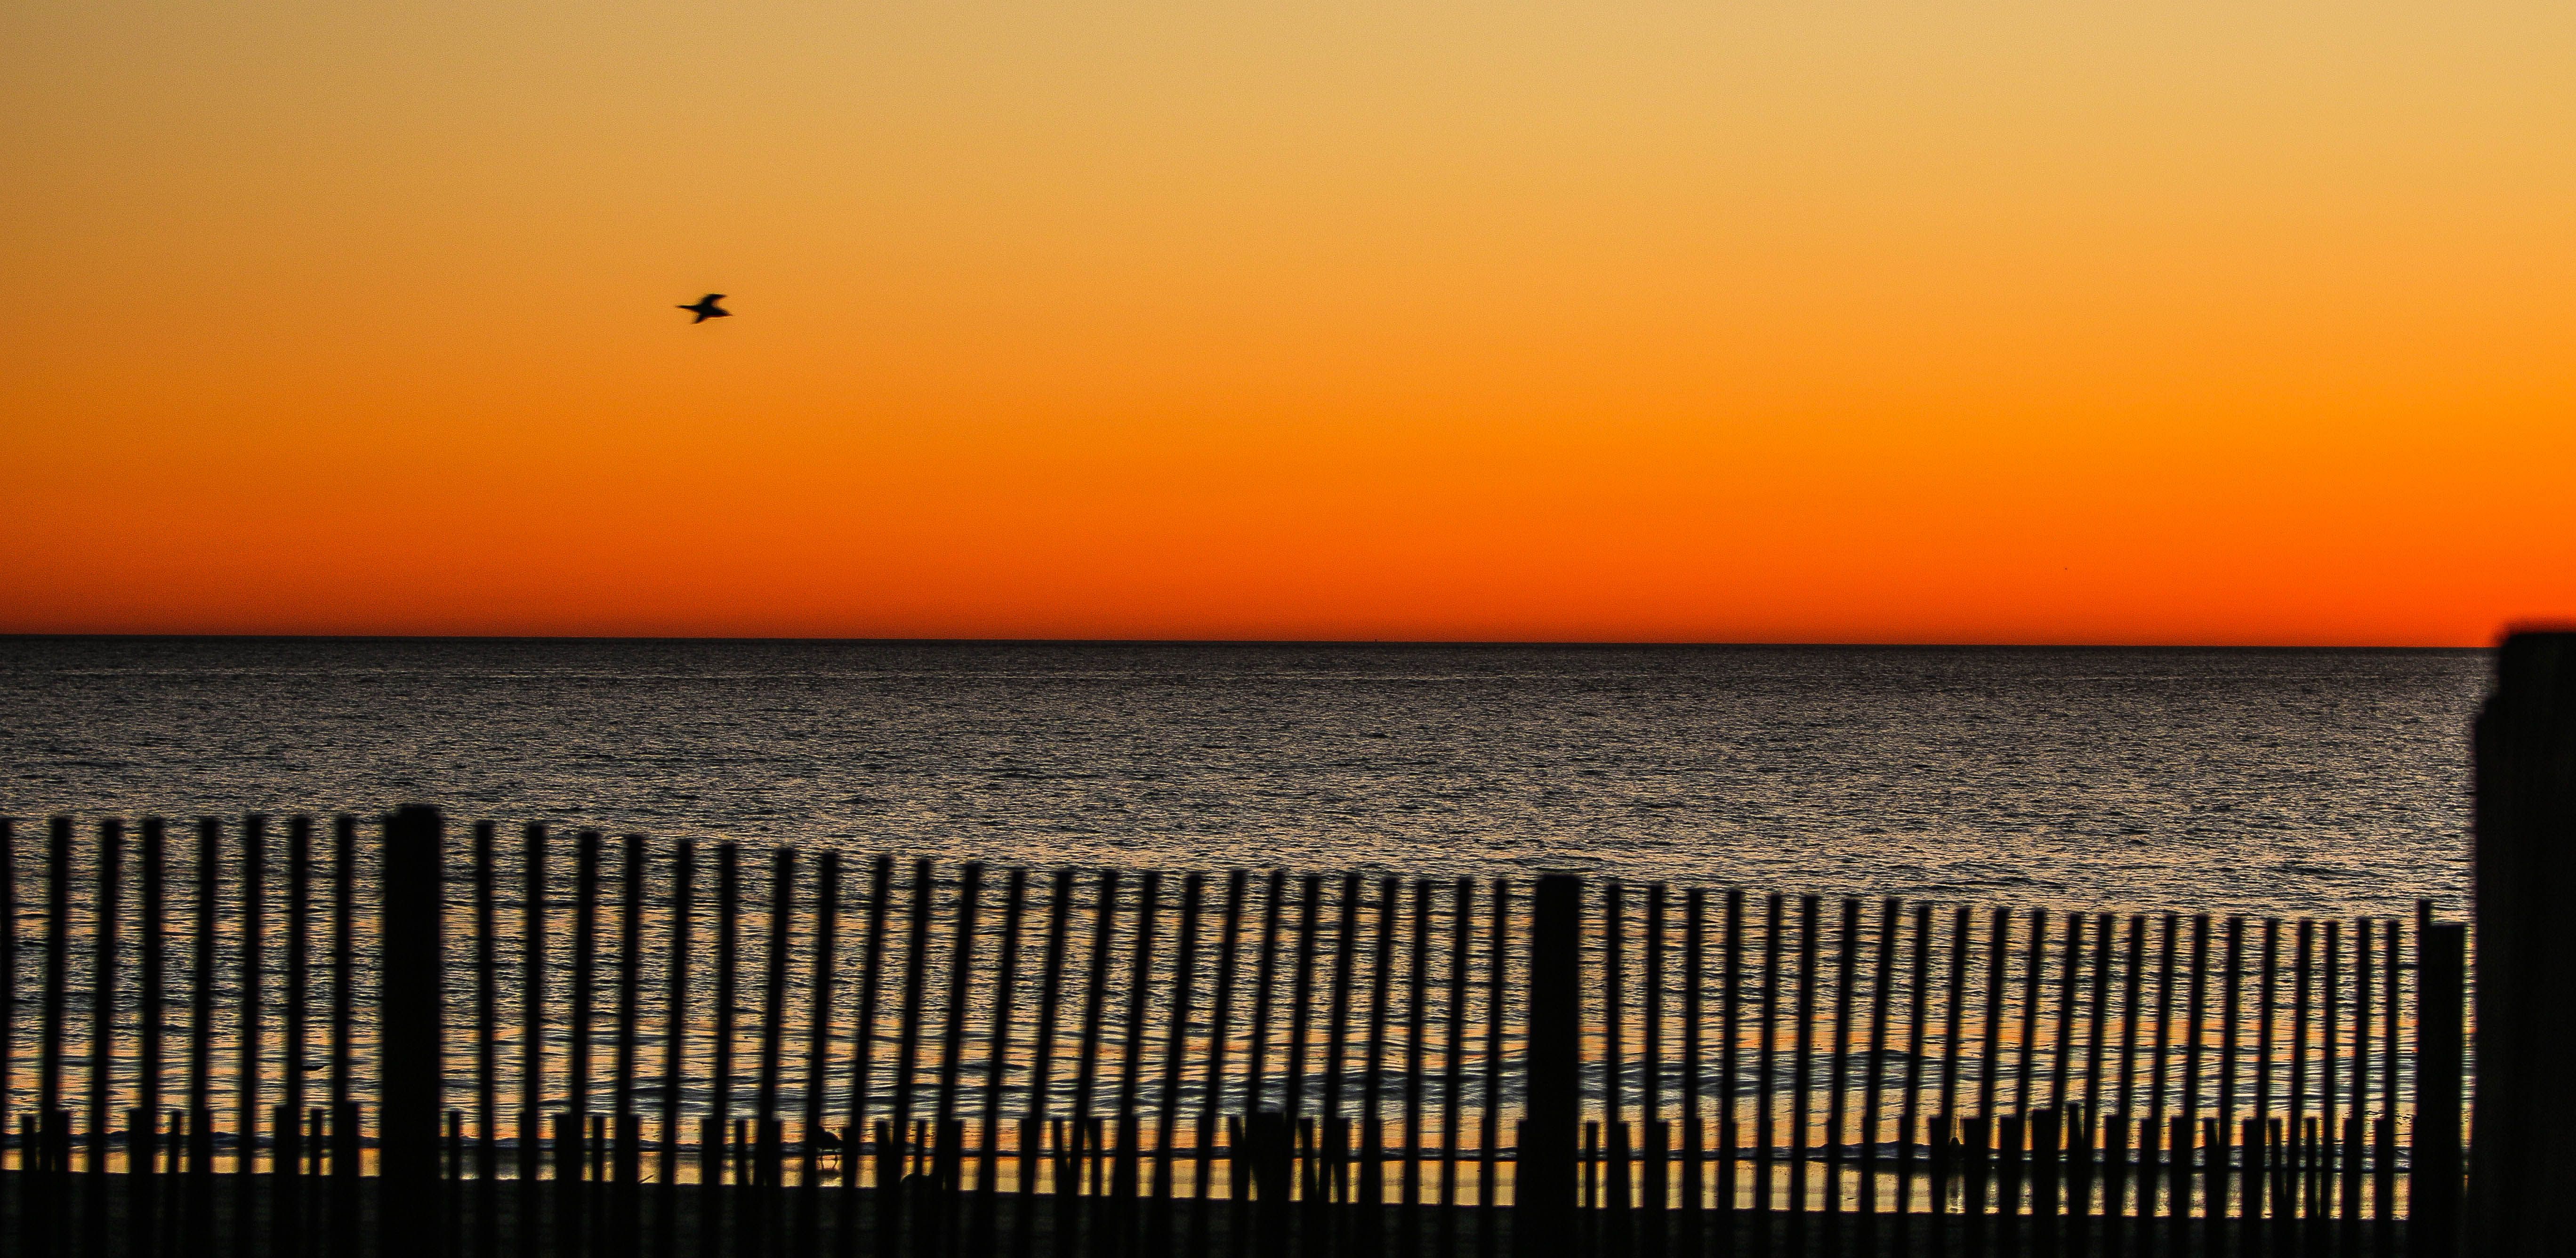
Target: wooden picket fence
418,1042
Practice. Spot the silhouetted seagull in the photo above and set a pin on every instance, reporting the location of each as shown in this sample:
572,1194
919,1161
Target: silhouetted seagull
708,309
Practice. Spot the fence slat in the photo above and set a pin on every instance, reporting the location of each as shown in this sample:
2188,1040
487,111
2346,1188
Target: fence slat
1042,1067
1730,1040
1220,1034
532,998
50,1030
1802,1081
105,891
299,929
818,1040
675,1041
1301,999
997,1052
152,945
1416,1083
712,1160
585,967
1846,961
487,1037
773,1021
1095,998
952,1039
1372,1177
1766,1055
201,1019
247,1028
633,867
1176,1046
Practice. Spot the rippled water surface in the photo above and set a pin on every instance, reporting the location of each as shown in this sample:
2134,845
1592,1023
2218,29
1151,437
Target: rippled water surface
2282,782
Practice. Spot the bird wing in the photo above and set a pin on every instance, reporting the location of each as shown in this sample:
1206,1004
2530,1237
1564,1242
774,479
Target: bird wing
711,298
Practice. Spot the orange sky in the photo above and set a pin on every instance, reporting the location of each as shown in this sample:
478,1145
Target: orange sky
1999,322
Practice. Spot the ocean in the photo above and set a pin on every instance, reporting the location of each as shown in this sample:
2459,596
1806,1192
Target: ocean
2277,782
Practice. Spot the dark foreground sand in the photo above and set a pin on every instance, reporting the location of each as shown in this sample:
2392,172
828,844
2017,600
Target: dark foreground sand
92,1215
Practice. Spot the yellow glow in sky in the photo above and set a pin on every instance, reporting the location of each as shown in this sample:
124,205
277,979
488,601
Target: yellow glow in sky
1760,321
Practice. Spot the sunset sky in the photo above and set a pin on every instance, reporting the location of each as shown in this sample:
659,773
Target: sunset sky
2013,321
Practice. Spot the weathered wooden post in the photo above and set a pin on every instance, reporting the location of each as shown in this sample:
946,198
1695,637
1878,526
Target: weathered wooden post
409,1219
1544,1177
2522,1181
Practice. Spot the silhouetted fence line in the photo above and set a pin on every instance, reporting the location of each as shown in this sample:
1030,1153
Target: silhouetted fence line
528,1041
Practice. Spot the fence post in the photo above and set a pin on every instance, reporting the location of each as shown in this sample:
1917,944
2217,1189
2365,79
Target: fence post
1543,1179
2433,1223
2522,1186
409,1005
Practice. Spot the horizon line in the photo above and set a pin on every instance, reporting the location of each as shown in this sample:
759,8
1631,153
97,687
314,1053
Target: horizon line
1603,643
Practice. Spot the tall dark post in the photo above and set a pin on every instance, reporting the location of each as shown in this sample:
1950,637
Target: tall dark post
1545,1175
409,1001
2524,1190
2433,1229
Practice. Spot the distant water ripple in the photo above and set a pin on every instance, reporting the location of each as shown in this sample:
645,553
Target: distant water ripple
2273,782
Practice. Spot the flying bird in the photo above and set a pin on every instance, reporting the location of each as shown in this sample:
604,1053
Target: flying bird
708,309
